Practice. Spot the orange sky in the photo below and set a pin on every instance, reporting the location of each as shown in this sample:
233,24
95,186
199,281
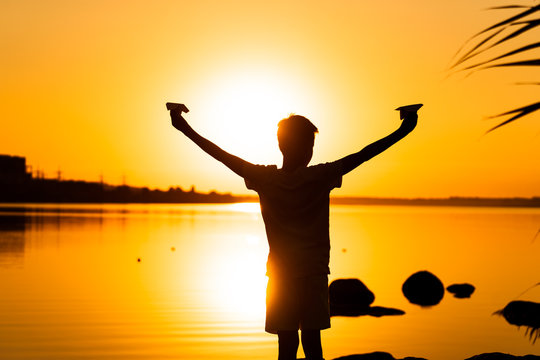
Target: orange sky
84,85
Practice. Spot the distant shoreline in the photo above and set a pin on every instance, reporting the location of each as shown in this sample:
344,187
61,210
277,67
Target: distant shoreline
52,191
19,186
533,202
178,197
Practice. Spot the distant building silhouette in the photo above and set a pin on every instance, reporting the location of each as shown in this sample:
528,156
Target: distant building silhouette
18,185
13,170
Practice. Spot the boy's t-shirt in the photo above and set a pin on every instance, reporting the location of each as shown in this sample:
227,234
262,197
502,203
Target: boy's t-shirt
295,210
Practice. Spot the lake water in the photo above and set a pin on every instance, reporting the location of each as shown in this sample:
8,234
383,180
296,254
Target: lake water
188,281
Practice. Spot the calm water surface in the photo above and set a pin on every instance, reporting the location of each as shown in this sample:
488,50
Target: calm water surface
187,281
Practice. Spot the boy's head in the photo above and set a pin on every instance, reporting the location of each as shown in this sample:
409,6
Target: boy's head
296,137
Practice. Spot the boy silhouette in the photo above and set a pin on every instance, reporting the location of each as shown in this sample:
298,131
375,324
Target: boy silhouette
295,208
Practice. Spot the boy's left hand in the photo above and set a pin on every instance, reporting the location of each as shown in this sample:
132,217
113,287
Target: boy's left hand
409,121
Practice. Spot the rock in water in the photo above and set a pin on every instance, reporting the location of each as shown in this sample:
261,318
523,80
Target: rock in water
350,297
423,288
501,356
350,293
461,291
523,313
378,311
378,355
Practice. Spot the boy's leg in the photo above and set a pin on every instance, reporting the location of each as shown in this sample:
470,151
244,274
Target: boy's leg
311,342
288,344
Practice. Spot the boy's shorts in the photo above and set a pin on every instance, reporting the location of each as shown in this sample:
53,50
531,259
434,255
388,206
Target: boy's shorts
297,304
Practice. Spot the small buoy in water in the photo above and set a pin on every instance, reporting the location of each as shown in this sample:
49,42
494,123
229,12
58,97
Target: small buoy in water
138,259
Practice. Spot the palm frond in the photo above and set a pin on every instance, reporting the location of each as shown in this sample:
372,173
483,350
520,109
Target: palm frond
471,53
529,288
478,66
528,25
534,239
508,7
535,62
520,112
503,32
529,11
531,24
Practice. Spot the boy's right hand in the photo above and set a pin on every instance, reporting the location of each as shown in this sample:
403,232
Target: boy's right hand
409,122
178,121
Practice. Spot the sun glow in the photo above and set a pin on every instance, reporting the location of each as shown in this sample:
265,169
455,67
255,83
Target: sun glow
248,207
240,284
243,107
241,290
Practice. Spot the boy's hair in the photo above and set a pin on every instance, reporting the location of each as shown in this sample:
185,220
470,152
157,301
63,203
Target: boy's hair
296,130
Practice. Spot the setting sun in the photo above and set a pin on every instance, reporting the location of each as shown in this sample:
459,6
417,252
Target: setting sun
242,107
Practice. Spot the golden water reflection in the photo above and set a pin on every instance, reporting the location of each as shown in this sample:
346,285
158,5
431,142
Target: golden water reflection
187,281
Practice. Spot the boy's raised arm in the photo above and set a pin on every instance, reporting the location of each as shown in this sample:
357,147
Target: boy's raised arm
350,162
234,163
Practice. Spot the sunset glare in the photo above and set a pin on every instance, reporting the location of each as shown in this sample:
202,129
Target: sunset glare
84,86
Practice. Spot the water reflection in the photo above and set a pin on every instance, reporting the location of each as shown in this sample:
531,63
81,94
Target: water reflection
71,283
12,240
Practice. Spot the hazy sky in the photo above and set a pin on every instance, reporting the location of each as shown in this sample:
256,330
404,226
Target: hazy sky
84,86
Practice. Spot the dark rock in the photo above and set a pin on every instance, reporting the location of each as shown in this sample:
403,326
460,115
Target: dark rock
350,293
353,311
461,291
378,311
520,313
523,313
378,355
350,297
423,288
501,356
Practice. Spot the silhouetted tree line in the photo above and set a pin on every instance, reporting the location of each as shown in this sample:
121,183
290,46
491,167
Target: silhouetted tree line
18,185
71,191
